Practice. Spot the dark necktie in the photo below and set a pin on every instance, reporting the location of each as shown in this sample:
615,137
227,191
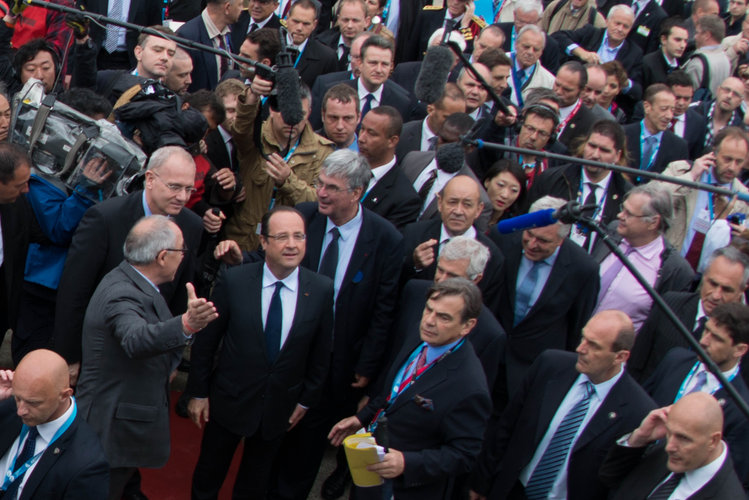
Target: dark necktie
253,27
26,453
590,200
329,261
548,467
432,143
427,186
667,488
697,332
224,61
672,127
343,60
367,105
521,77
273,324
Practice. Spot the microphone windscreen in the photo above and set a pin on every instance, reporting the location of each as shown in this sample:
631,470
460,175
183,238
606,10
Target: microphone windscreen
435,68
540,218
289,96
450,157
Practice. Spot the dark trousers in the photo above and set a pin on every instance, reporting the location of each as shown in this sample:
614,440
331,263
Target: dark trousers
36,321
119,477
216,452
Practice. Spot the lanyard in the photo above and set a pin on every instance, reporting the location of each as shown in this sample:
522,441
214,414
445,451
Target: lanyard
564,122
653,153
385,13
299,57
582,229
286,159
516,81
500,5
691,374
512,35
18,473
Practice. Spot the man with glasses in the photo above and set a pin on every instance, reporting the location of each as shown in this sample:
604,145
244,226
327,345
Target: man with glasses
97,243
724,110
276,320
132,343
261,14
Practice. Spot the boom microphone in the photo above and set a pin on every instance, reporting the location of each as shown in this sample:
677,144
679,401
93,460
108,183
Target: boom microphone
568,213
289,96
450,157
435,68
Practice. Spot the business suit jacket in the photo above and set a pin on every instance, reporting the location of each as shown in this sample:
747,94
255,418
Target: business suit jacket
141,13
205,70
131,344
664,386
694,128
550,57
217,152
560,312
367,297
633,473
241,29
73,467
18,228
658,335
410,139
424,230
392,95
646,30
564,182
655,69
578,126
672,148
426,23
316,60
437,423
415,162
529,414
96,249
330,38
394,198
248,394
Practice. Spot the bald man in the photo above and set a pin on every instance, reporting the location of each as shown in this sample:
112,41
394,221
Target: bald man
694,463
459,204
41,418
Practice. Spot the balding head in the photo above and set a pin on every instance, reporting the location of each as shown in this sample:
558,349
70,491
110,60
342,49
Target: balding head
694,432
459,204
41,387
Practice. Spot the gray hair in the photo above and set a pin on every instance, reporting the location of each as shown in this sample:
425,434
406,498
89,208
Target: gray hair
464,247
161,155
463,288
625,9
143,244
733,255
530,6
659,204
547,202
348,165
532,28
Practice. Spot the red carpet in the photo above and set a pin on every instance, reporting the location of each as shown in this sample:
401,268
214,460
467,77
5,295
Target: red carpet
172,482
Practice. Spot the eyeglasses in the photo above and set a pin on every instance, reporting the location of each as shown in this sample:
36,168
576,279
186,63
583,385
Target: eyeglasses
175,188
182,250
330,188
627,214
533,131
284,237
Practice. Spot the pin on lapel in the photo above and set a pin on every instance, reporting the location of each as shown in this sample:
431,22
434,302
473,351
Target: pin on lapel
56,451
722,402
615,197
612,415
375,199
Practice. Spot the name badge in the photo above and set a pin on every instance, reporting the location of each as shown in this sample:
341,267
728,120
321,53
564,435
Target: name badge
643,30
702,224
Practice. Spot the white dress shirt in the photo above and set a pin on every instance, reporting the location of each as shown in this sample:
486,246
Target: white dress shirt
363,92
215,35
426,134
603,186
439,183
380,172
346,243
289,293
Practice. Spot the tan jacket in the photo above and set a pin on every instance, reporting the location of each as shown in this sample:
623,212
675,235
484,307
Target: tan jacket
305,166
564,19
685,199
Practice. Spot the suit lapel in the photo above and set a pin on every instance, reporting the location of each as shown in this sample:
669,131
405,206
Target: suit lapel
513,265
556,277
365,241
47,460
609,413
430,379
302,306
159,303
554,392
382,187
316,232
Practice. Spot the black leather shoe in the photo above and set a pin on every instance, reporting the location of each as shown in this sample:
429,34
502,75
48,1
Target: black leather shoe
335,485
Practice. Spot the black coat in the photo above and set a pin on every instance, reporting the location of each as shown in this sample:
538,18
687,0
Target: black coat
672,148
392,95
241,28
578,127
410,139
694,129
316,60
655,69
205,69
646,31
394,199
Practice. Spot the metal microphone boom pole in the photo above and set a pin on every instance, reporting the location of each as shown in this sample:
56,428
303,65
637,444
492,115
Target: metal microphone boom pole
184,42
633,172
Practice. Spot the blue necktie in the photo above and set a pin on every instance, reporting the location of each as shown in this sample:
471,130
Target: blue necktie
26,453
367,105
547,470
525,291
329,261
273,324
647,150
521,77
700,382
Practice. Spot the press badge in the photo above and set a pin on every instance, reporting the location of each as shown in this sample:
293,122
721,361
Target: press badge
643,30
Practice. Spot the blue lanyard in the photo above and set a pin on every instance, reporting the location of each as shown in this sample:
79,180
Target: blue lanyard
396,389
385,13
512,34
286,159
299,57
18,473
516,81
691,374
653,153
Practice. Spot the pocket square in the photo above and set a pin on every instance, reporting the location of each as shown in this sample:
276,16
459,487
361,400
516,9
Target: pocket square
423,402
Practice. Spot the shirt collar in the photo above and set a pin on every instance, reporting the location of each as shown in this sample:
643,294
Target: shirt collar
426,132
650,250
211,28
565,111
603,183
291,281
444,235
363,91
606,43
301,47
261,23
146,208
340,41
435,352
47,430
602,389
348,229
672,63
646,133
379,172
145,278
702,475
225,134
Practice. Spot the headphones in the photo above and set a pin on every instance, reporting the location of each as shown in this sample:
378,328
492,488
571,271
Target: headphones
544,111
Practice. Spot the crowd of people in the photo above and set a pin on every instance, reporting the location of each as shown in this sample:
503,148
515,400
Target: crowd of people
345,273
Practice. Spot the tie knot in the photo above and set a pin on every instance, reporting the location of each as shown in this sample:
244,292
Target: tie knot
369,98
335,233
589,389
33,433
279,286
592,185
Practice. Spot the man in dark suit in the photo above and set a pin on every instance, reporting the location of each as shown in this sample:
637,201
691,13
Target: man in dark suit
389,193
575,118
691,461
523,15
273,363
211,28
421,135
646,30
725,340
431,18
112,54
658,64
38,403
589,185
351,19
600,45
459,204
260,15
314,58
131,344
689,124
362,253
543,304
435,424
96,248
651,146
569,410
723,281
